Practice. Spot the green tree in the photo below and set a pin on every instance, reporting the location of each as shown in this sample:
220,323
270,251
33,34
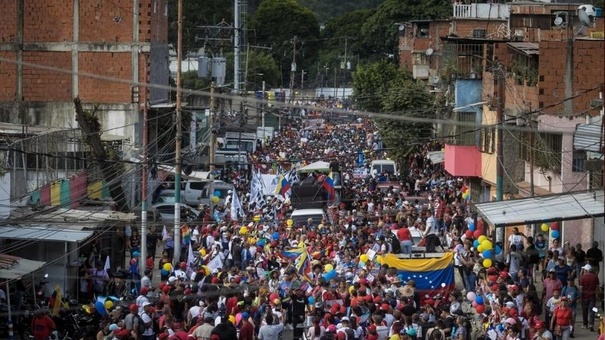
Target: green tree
277,22
383,87
379,32
261,66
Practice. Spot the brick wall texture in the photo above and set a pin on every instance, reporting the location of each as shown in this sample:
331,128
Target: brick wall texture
49,25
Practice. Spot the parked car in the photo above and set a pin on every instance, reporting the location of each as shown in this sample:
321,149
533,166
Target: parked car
166,211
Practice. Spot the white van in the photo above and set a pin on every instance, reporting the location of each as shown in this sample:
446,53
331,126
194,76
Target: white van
300,216
380,165
197,192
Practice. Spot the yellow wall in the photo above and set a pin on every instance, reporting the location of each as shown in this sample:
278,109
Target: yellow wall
489,161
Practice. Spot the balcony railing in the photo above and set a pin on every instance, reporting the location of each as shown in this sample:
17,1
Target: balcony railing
481,11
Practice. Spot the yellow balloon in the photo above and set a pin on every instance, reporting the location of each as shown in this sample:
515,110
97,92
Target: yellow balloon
351,289
328,268
487,263
167,267
363,258
243,230
108,304
232,319
380,259
480,248
487,245
203,252
289,223
256,218
544,227
482,238
215,199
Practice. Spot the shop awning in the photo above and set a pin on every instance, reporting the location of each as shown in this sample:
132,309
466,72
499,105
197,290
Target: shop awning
541,209
43,233
12,267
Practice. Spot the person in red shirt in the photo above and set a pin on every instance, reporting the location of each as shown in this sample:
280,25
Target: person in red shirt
42,326
590,283
562,319
246,331
405,238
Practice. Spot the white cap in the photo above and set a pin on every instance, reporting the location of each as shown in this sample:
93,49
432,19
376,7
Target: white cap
172,279
145,304
344,319
587,267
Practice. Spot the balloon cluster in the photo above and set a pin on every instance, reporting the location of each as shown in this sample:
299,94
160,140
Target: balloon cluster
329,272
216,197
166,269
477,302
554,229
482,244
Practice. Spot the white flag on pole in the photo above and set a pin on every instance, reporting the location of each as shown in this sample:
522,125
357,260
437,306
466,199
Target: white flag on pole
164,234
190,259
236,207
107,264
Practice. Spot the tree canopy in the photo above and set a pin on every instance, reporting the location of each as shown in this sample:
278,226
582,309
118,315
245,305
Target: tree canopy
383,87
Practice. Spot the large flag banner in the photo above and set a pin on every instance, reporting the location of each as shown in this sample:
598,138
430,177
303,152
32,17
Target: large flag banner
190,260
257,197
283,186
429,274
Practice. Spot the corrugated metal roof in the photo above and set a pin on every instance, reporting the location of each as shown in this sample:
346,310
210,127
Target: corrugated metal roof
525,47
12,267
560,207
43,233
588,137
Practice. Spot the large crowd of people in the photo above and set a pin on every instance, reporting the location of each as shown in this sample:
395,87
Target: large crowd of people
258,275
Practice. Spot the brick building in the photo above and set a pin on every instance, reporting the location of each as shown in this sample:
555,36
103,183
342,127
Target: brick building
47,49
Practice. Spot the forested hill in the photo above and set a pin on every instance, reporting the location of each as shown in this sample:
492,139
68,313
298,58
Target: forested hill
326,9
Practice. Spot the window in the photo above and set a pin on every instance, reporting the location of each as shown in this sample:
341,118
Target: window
579,160
487,139
422,30
547,150
464,134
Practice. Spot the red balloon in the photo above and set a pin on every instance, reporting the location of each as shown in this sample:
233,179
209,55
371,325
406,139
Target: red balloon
469,234
554,226
480,309
474,304
477,233
273,296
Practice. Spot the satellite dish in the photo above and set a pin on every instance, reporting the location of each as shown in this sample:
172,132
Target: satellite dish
589,9
584,18
558,21
429,52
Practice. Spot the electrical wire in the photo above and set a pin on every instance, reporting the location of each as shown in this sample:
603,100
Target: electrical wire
391,115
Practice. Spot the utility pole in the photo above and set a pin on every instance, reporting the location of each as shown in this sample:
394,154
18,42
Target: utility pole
302,80
179,132
212,151
144,179
345,67
498,234
236,45
294,40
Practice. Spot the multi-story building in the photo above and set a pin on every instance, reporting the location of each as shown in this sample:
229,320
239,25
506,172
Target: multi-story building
52,51
550,65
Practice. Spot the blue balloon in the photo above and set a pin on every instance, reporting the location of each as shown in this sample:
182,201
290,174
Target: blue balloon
471,226
476,243
498,250
275,236
100,308
487,254
479,299
500,327
311,300
261,242
555,234
330,275
136,254
164,272
217,193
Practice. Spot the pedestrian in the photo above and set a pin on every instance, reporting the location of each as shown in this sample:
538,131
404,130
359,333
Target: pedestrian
561,321
590,286
594,257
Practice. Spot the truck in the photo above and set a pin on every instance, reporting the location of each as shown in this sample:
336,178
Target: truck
234,149
380,165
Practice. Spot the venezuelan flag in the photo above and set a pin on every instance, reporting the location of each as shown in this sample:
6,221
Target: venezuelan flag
429,274
293,253
303,266
328,185
283,185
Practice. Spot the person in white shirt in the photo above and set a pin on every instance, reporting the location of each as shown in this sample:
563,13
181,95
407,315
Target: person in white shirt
147,317
142,299
430,232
